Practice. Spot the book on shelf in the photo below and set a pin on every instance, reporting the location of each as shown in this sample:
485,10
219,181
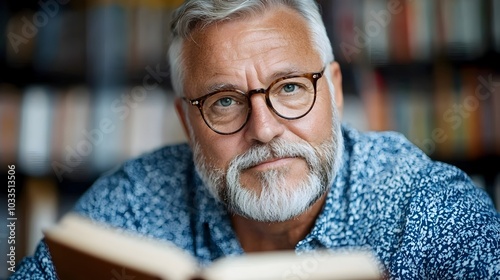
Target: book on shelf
73,136
60,45
454,116
463,27
405,31
345,20
173,130
35,135
377,102
148,36
10,103
420,112
107,48
82,249
110,114
442,100
399,30
399,95
144,134
376,18
495,103
496,190
40,197
421,25
495,16
451,113
472,106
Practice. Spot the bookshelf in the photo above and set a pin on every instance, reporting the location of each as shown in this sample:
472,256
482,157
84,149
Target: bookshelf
74,104
428,69
73,91
73,99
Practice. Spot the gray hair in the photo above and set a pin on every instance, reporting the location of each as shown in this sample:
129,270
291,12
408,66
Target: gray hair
194,14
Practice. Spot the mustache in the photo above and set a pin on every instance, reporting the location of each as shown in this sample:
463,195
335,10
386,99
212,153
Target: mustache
277,148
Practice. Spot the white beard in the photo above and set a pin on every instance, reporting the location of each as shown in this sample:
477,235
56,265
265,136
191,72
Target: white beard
277,200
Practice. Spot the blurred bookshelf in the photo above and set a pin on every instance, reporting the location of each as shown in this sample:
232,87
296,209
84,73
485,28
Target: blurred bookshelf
81,82
428,69
84,86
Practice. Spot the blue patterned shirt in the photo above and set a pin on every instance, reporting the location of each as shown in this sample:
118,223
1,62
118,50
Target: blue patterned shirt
422,219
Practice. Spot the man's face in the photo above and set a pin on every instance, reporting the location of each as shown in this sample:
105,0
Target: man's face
272,162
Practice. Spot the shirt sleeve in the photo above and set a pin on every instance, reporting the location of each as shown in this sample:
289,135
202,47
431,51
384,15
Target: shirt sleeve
466,235
110,200
96,204
453,228
38,266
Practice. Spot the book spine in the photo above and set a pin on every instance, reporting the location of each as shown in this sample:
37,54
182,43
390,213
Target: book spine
10,103
146,135
443,100
422,15
472,106
112,109
376,29
495,96
35,131
377,102
495,16
400,47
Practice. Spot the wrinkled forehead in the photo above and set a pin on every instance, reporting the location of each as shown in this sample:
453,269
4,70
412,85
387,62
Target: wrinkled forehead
274,37
277,18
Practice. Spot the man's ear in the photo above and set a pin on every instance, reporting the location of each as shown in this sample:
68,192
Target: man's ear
179,108
336,77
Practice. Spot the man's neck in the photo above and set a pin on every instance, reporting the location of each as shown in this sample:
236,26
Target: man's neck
257,236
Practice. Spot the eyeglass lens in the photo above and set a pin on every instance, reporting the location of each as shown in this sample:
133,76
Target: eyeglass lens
227,111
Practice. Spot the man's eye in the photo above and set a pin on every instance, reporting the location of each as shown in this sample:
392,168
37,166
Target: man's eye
290,88
225,102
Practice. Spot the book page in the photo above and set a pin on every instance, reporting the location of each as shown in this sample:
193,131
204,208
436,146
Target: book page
127,251
287,265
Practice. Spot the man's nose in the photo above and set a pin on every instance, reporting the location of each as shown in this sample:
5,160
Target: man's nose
263,124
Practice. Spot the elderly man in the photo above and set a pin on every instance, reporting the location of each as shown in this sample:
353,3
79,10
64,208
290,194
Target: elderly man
270,167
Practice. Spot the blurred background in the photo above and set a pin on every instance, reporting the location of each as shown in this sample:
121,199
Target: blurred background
84,86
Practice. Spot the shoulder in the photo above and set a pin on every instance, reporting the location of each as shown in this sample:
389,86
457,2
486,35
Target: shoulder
384,149
384,163
421,212
163,168
38,266
452,227
387,163
380,176
141,188
392,160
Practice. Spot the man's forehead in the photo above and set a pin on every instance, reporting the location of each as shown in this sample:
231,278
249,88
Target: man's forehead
276,44
276,29
281,23
218,37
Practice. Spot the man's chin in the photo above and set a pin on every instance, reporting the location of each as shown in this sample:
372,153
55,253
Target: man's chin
264,210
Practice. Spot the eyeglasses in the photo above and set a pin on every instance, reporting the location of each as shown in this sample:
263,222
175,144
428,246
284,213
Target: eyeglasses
227,111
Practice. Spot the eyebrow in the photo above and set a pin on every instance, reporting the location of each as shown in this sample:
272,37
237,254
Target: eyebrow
292,71
222,86
275,76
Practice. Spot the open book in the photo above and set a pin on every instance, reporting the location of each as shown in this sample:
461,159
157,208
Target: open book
82,249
